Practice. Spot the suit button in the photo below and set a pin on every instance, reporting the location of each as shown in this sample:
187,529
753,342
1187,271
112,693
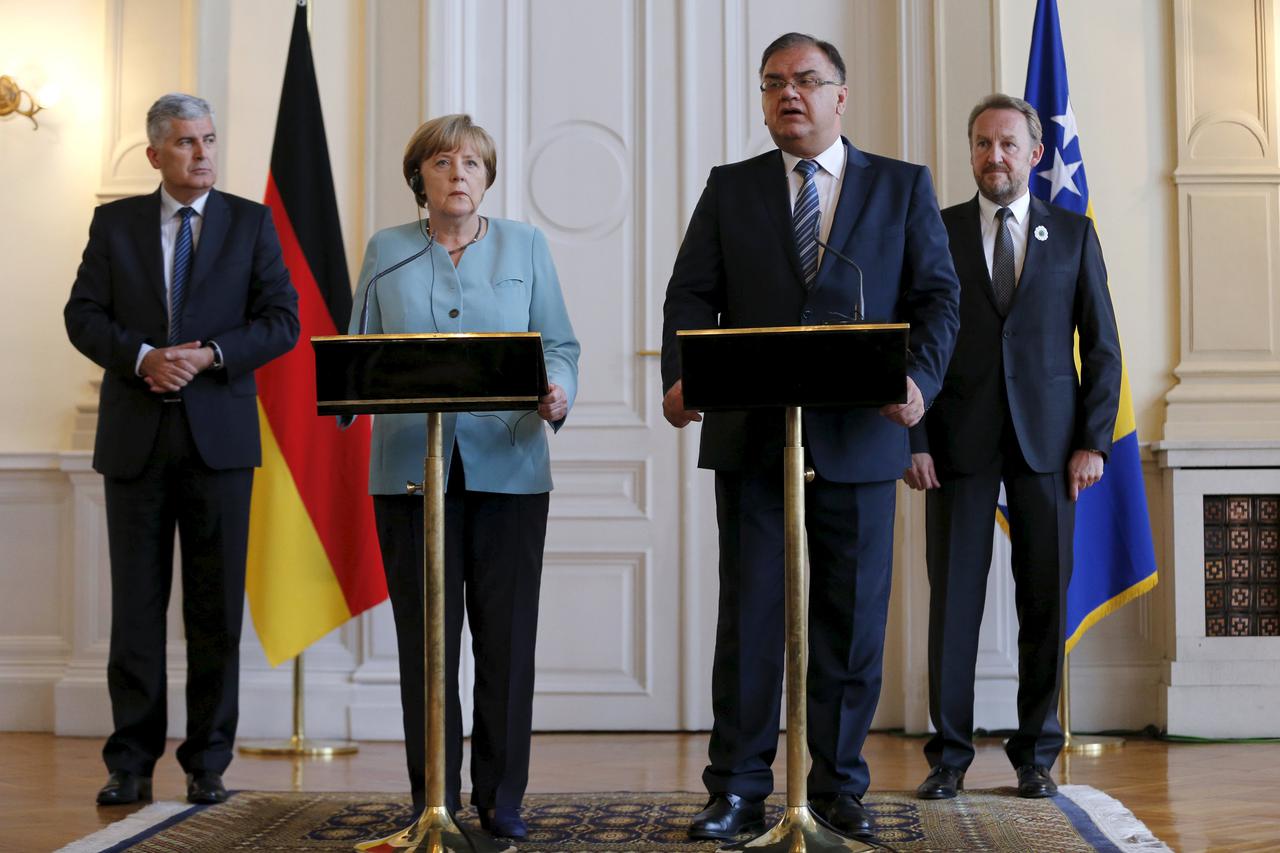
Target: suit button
453,312
1007,334
805,315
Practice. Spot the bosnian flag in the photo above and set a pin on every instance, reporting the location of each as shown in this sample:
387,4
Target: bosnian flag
1114,558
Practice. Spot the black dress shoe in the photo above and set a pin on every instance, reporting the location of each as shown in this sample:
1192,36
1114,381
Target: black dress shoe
1034,781
725,817
844,813
123,788
205,787
503,822
942,784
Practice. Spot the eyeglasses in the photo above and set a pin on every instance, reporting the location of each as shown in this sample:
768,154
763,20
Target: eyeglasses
775,85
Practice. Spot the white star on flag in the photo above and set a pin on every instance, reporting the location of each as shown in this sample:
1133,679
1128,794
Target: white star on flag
1060,175
1068,122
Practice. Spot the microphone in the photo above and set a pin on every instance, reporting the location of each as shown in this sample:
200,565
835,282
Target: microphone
859,310
344,421
364,309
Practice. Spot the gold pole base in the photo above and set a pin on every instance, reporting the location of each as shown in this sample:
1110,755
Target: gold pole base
1091,744
435,832
300,747
800,831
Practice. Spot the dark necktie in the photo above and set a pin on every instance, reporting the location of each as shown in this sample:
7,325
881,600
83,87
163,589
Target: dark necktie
181,275
1002,279
806,219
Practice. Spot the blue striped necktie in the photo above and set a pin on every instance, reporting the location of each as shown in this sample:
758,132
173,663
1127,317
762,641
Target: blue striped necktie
181,275
806,219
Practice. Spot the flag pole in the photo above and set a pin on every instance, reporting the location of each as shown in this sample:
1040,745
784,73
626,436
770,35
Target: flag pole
299,745
1088,745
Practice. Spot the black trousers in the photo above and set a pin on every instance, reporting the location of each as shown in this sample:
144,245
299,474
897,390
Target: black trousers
493,563
210,510
959,524
850,541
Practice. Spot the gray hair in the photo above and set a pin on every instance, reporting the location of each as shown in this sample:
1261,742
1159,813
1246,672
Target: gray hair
174,105
1001,101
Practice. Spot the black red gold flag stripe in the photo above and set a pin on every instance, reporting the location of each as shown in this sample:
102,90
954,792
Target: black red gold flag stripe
313,552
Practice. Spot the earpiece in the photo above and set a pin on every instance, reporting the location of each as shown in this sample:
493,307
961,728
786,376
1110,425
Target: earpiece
415,182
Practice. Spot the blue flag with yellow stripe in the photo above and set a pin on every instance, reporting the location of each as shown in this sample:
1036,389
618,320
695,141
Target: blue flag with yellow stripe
1114,558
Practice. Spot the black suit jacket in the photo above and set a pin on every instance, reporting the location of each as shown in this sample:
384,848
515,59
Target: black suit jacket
739,267
1027,357
239,294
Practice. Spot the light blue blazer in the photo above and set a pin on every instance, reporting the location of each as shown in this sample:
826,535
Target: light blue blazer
505,283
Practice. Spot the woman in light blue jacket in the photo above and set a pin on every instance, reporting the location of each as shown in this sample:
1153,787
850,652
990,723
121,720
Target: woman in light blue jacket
480,275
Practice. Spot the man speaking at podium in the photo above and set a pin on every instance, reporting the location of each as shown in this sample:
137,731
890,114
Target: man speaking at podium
751,257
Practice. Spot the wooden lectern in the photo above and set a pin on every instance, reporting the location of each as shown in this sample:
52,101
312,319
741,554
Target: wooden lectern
788,367
431,374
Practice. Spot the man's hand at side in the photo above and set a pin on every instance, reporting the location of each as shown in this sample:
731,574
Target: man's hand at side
921,475
1083,470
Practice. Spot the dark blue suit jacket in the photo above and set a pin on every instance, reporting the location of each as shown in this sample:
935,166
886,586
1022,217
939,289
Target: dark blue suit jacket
239,295
739,267
1028,357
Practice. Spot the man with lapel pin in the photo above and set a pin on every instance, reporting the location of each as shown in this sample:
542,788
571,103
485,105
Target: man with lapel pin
1012,410
180,296
751,257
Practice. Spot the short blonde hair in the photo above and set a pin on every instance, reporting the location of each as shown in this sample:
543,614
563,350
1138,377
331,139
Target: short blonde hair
447,133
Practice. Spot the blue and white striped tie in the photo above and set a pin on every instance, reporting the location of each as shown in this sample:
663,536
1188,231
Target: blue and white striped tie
806,220
181,274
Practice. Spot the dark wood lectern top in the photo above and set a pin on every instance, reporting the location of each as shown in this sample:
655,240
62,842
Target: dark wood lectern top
436,372
848,366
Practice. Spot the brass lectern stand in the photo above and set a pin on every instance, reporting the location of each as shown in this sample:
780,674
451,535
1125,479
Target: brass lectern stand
432,374
790,367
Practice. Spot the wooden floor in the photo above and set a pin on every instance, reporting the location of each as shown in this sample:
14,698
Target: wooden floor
1192,796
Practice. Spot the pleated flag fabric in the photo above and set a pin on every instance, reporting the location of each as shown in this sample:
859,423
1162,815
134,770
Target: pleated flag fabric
313,550
1114,558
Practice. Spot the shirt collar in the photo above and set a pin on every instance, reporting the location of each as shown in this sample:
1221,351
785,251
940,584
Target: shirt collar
1018,207
832,160
169,206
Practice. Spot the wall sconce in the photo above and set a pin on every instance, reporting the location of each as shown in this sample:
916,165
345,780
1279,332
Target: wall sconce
11,101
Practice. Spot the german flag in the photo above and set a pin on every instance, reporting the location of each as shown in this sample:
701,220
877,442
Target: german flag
313,550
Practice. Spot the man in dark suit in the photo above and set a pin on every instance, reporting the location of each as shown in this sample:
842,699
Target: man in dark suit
1012,410
750,258
180,296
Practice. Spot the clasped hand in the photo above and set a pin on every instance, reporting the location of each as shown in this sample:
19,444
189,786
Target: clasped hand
170,369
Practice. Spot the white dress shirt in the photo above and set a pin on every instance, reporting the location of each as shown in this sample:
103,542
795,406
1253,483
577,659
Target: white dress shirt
170,222
828,180
1020,208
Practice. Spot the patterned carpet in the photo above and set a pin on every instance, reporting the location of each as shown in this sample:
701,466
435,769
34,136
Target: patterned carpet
284,821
